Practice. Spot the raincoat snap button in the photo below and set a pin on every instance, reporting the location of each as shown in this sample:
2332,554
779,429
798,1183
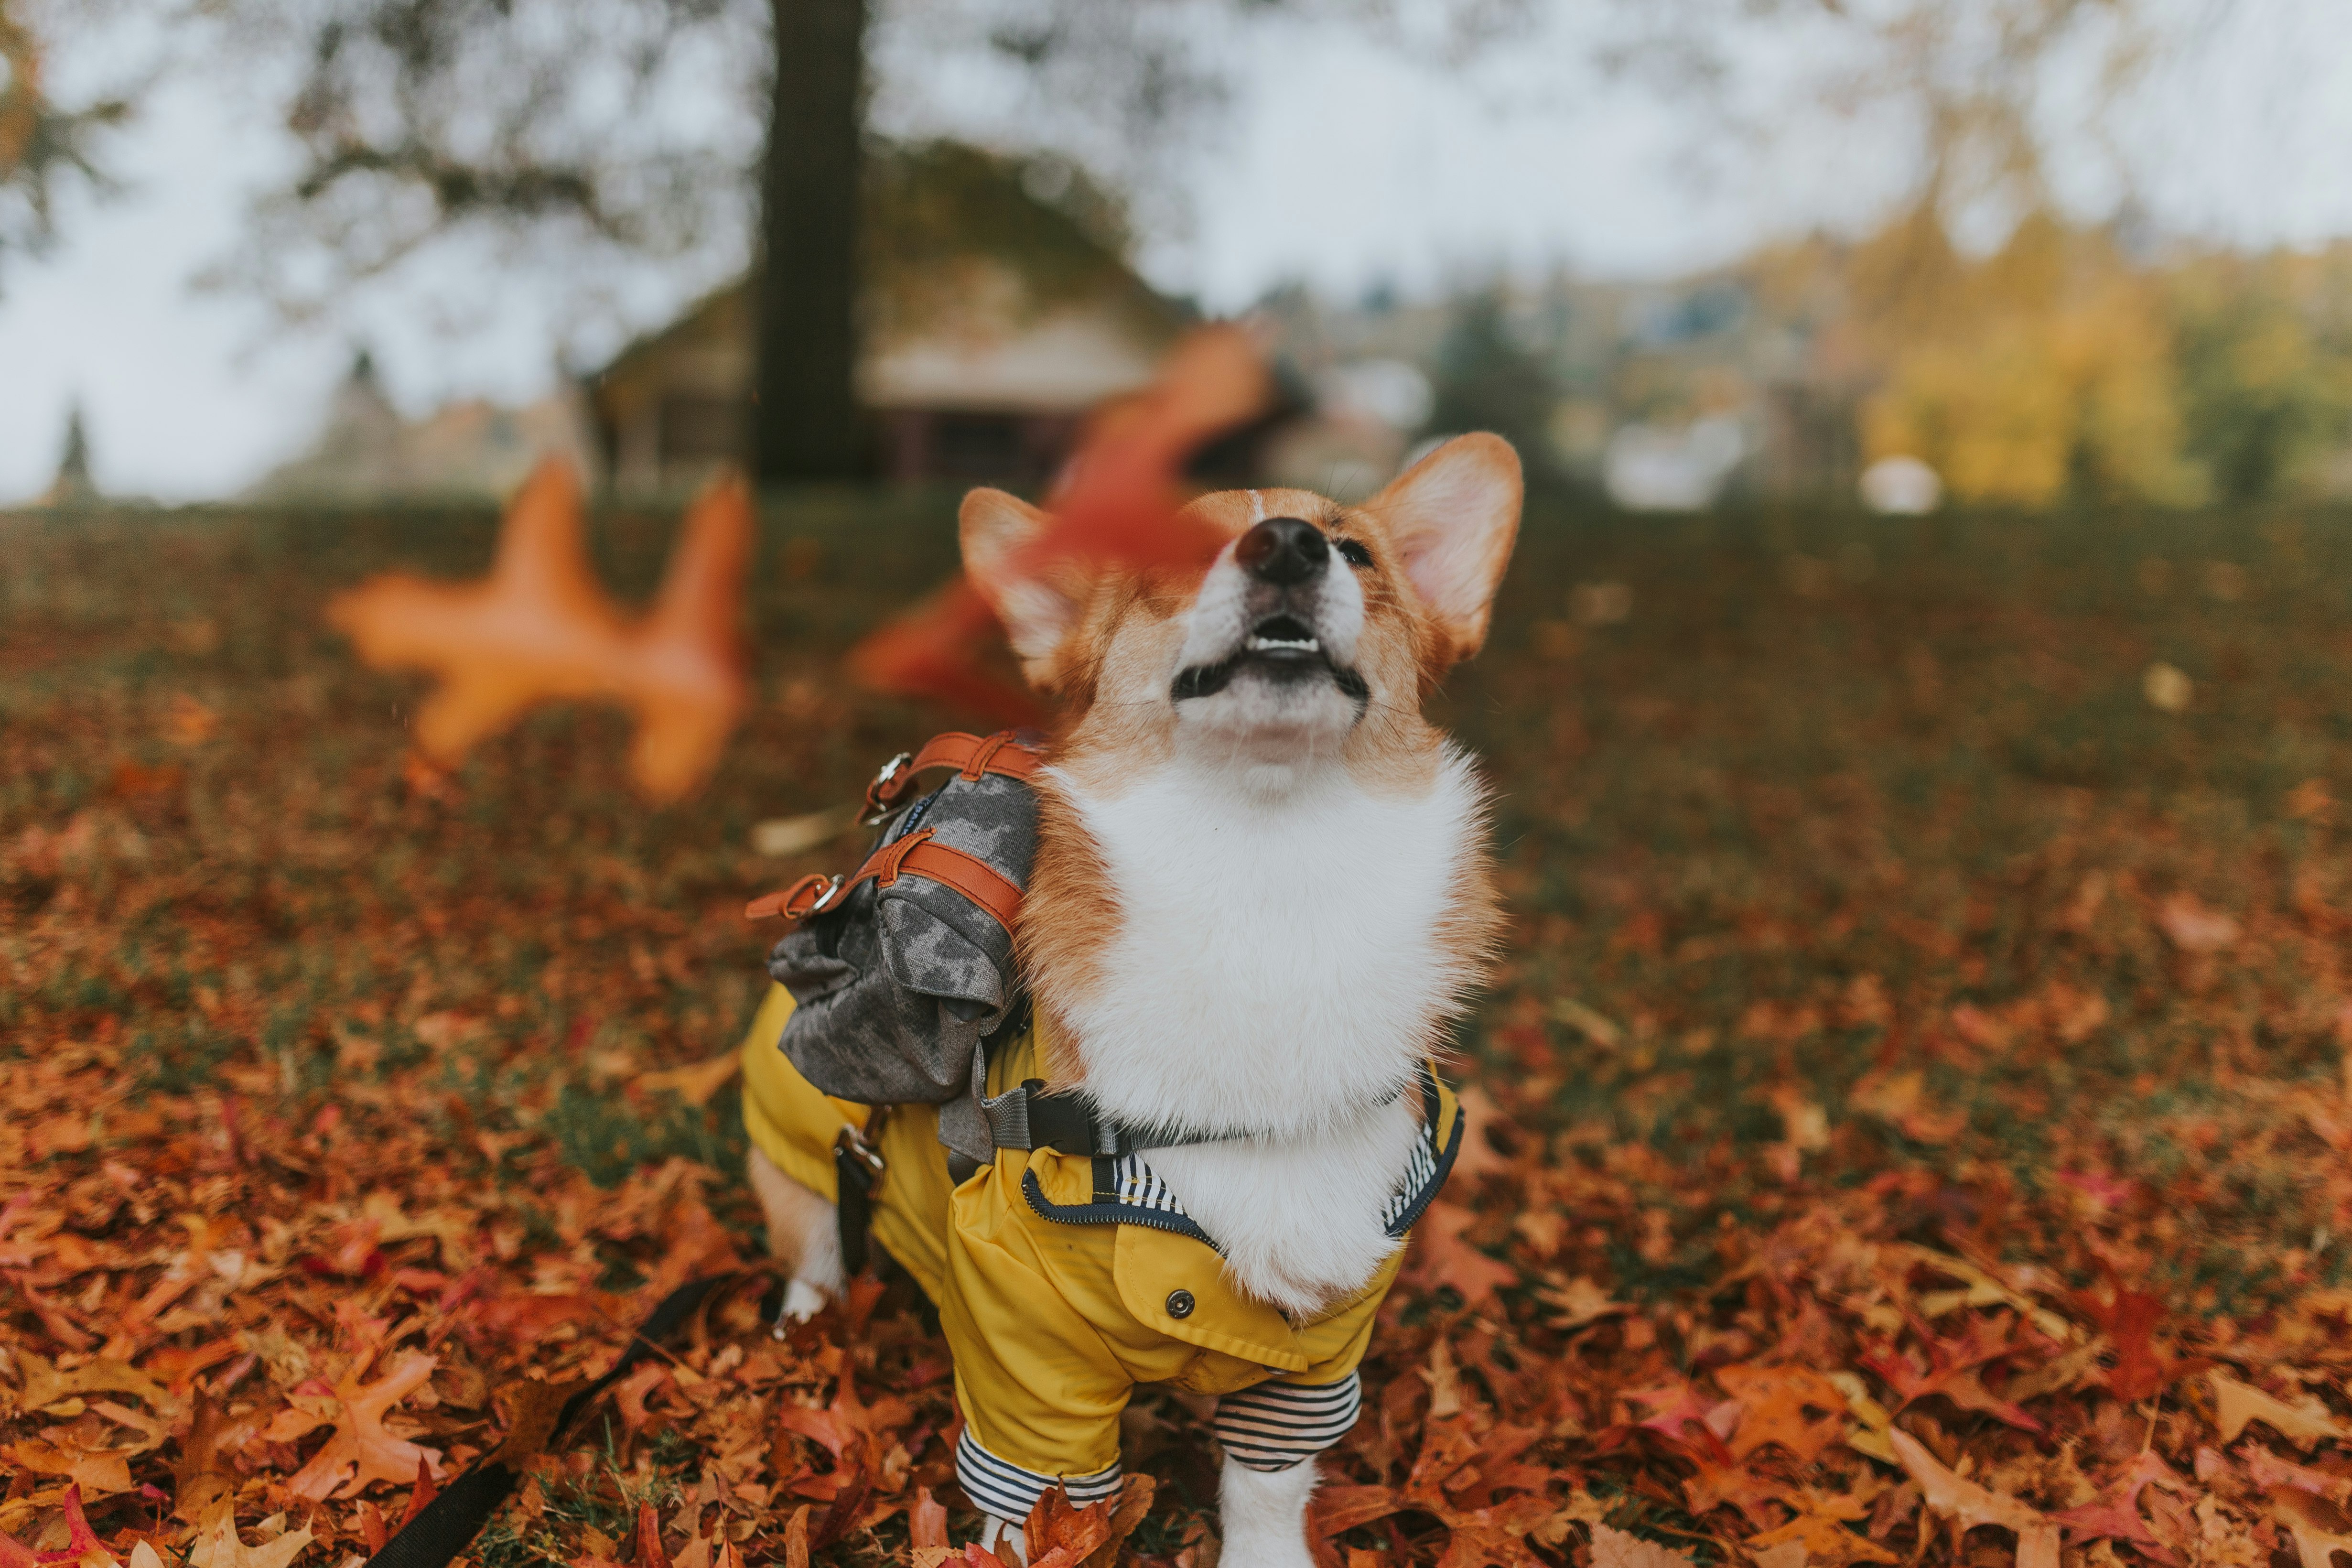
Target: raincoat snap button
1179,1303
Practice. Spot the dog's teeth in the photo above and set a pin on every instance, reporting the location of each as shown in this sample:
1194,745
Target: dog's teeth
1296,645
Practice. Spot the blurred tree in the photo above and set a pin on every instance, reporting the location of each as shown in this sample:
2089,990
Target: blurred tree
2265,357
1487,381
40,141
637,128
2044,371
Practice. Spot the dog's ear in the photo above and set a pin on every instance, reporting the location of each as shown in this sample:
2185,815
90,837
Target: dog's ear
1031,598
1453,518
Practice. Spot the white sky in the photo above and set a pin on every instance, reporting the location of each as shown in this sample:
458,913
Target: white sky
1341,163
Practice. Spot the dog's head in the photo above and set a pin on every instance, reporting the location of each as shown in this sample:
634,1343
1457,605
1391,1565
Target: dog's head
1316,632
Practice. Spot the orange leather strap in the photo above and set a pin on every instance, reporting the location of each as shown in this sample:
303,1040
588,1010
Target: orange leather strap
970,755
916,855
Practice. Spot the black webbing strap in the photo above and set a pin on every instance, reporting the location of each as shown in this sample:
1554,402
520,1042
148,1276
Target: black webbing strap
448,1524
1028,1117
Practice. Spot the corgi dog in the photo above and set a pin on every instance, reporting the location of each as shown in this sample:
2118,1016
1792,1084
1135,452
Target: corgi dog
1261,892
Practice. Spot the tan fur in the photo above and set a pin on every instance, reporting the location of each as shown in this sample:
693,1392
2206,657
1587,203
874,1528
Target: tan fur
1110,667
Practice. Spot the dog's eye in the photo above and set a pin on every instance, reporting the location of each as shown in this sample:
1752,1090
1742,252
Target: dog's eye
1352,552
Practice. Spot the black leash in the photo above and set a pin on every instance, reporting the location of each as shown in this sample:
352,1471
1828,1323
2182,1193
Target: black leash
447,1524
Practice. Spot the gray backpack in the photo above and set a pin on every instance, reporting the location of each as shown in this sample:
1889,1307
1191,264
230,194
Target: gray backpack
900,970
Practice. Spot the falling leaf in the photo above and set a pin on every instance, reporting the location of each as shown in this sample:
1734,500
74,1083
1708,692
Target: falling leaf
540,628
1118,505
1969,1505
360,1451
2235,1403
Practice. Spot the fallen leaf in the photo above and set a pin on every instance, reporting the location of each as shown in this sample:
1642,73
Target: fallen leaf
2235,1403
360,1451
217,1546
1772,1404
2320,1529
1616,1548
1969,1505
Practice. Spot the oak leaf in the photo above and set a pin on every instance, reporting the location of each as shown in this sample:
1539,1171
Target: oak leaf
217,1546
1969,1505
1617,1549
2320,1529
2235,1403
540,628
2118,1517
2129,1319
1820,1530
360,1451
1772,1405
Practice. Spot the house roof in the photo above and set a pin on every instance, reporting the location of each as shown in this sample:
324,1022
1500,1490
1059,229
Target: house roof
990,283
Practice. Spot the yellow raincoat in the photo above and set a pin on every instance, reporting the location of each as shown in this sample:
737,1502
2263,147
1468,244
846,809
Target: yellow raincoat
1056,1297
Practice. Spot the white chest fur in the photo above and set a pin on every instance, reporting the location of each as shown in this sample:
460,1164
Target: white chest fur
1277,965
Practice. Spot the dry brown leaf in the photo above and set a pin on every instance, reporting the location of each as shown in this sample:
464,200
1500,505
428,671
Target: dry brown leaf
2320,1529
217,1546
1969,1505
360,1450
2235,1403
1616,1548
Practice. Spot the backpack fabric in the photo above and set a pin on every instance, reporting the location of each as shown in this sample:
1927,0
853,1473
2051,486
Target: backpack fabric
900,977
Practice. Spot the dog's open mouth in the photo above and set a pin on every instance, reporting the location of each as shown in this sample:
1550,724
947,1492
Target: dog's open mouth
1282,647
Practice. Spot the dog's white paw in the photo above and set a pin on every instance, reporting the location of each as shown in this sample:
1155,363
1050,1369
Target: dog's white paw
803,1301
1265,1516
995,1533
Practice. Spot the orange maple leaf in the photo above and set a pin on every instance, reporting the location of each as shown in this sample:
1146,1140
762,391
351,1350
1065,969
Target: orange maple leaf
1117,502
540,628
360,1450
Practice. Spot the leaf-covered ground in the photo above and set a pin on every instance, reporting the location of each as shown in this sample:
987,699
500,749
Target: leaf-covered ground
1913,1116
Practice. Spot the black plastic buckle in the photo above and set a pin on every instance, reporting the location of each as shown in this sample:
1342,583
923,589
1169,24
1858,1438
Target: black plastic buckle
1059,1121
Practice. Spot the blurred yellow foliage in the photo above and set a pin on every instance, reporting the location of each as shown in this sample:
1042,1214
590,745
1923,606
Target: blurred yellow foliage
2046,367
2062,365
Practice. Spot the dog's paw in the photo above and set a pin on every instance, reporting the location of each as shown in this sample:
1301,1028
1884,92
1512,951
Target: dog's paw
803,1301
1265,1516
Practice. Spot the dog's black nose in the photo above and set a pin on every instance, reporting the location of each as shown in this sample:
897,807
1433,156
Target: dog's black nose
1282,550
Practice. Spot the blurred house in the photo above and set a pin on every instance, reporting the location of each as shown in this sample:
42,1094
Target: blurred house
366,450
1666,394
1000,307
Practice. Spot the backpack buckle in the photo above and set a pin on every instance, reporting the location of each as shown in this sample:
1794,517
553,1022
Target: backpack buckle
811,895
882,795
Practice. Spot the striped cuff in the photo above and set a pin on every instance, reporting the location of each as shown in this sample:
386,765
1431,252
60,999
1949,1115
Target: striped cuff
1274,1426
1005,1489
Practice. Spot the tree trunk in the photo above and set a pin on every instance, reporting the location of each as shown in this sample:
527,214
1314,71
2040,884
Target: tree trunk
804,420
